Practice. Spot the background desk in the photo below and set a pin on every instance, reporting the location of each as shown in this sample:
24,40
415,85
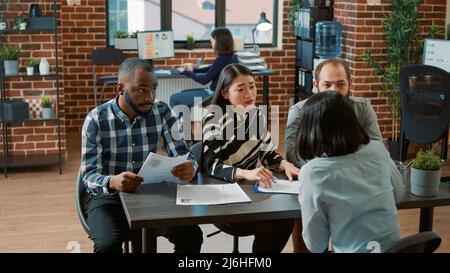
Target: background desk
263,73
154,205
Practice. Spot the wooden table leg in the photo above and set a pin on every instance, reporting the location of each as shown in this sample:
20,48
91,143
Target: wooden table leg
136,241
426,219
149,240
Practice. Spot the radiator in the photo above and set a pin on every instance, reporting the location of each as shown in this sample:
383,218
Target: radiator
167,87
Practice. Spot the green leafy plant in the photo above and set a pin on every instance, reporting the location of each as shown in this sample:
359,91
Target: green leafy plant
190,38
31,62
10,52
20,20
124,35
121,34
428,161
132,35
404,47
46,102
292,12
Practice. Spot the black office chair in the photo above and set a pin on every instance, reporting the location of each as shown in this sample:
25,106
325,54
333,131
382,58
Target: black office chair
105,56
425,104
424,242
196,150
82,198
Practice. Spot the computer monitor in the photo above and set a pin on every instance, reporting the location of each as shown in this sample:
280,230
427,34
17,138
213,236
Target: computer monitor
155,44
436,53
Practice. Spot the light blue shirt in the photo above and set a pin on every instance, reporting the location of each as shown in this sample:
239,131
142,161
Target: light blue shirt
350,200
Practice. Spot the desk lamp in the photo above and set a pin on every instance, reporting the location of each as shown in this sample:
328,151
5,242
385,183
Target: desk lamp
262,25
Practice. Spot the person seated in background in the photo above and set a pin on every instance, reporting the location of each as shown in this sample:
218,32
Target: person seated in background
223,45
350,186
117,137
330,75
233,143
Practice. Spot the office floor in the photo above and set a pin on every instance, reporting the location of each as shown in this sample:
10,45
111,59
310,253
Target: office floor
38,214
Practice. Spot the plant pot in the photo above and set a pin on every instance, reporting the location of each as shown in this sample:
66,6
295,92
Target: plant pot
23,26
2,25
47,113
125,43
394,149
11,67
30,70
189,46
425,183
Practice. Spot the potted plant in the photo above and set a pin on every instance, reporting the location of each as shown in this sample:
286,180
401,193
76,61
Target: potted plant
125,41
30,64
47,107
404,46
426,174
20,22
10,55
2,21
292,12
190,40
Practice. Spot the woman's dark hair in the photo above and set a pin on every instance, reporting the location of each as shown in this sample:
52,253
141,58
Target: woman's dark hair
224,40
328,125
226,78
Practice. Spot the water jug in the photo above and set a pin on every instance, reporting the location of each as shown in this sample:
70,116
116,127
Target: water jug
328,39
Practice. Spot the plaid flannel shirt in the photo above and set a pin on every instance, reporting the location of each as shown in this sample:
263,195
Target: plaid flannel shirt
112,143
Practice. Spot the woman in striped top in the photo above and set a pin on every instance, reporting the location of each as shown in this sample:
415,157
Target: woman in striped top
235,137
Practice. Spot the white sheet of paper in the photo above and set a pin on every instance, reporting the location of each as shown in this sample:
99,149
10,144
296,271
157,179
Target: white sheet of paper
211,194
282,186
157,168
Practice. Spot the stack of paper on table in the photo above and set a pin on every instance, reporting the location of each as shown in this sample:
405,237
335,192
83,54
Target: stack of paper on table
157,168
282,186
211,194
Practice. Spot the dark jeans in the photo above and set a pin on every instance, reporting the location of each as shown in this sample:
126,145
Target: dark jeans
109,228
270,236
186,97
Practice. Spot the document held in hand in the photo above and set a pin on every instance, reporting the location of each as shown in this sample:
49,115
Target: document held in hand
211,194
157,168
281,186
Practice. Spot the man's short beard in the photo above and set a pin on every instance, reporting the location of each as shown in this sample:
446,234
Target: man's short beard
133,106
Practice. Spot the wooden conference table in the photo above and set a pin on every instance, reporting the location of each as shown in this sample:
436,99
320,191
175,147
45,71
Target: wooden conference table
153,206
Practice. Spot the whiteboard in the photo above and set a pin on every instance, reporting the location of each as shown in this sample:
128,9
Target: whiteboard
437,53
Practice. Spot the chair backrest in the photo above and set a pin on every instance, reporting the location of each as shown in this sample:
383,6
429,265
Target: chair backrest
425,102
81,193
107,55
424,242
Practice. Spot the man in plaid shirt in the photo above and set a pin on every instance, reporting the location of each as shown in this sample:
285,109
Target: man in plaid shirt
117,137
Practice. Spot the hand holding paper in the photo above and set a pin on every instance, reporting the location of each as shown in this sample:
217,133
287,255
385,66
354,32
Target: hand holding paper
157,168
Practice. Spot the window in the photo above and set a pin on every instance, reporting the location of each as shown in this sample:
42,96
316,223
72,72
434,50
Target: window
242,23
132,15
197,16
193,16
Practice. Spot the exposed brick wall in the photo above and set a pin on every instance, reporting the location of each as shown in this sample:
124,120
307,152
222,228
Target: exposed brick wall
363,30
31,138
84,29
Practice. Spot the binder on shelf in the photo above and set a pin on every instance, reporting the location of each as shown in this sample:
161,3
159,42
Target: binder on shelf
306,20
